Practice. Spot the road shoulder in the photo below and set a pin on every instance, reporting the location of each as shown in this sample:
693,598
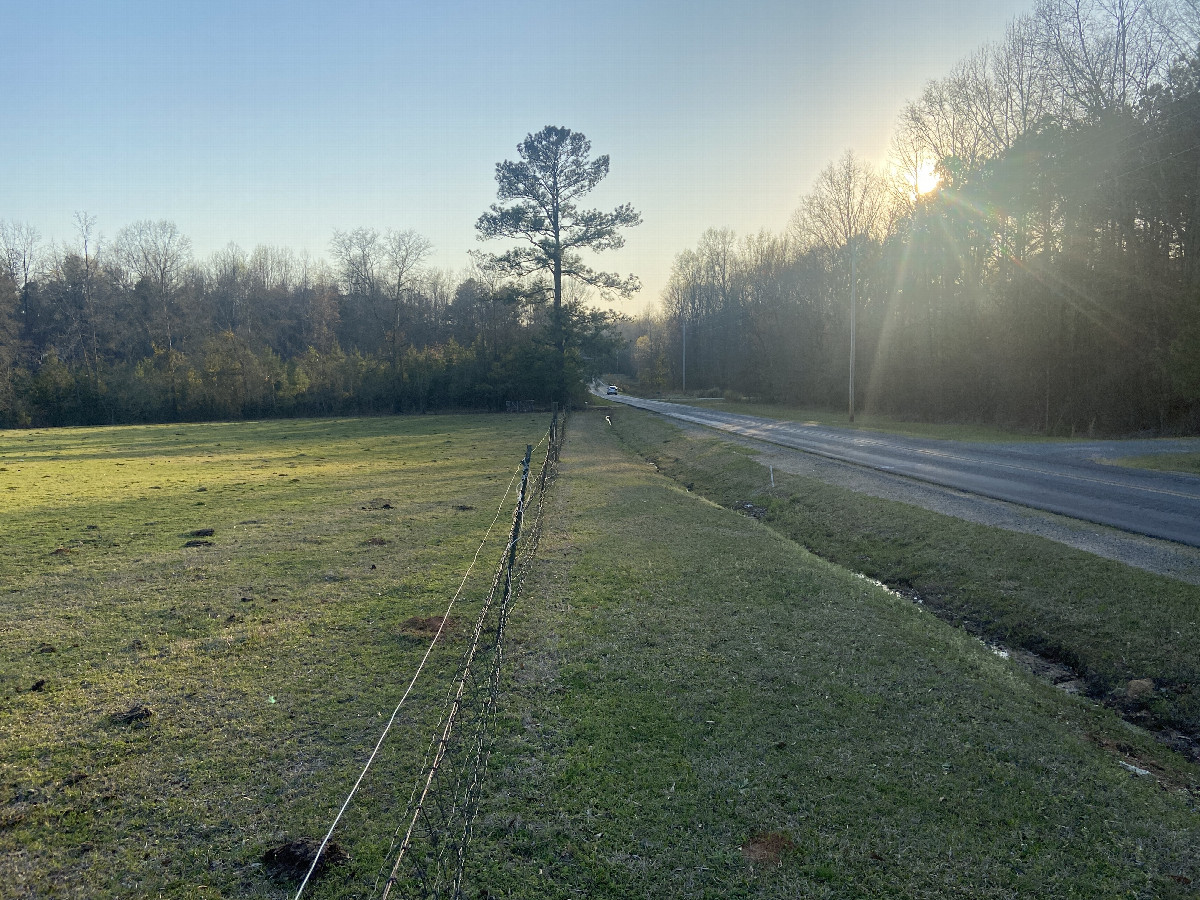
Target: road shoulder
1167,558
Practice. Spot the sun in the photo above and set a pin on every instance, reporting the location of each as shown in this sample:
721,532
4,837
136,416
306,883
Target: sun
927,179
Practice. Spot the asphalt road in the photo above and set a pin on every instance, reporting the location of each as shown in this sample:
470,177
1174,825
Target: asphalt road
1063,478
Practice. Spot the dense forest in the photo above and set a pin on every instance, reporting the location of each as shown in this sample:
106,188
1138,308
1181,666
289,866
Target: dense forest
137,330
1046,278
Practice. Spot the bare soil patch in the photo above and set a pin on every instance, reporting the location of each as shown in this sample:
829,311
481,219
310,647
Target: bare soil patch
767,847
428,626
291,861
136,714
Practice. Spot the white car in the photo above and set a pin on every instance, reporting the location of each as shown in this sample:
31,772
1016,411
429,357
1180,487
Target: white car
612,389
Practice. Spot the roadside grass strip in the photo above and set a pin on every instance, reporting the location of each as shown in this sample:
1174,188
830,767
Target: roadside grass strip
701,708
947,431
203,629
1189,463
1132,637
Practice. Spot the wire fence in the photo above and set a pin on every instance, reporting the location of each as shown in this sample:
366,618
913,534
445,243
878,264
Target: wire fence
429,860
427,856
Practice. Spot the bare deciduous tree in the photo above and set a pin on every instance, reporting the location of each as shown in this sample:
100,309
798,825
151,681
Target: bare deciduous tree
403,253
381,271
358,255
1101,55
22,257
1024,91
845,207
90,245
848,201
158,254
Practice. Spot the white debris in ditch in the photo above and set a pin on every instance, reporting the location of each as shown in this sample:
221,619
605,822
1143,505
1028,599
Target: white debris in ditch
1128,767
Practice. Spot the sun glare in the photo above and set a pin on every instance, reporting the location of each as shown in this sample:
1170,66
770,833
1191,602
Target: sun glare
927,179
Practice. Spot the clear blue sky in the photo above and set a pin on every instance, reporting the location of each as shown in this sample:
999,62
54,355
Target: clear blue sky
276,122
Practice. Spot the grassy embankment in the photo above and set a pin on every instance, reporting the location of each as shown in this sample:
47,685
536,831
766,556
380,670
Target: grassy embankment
269,654
701,708
1112,623
863,421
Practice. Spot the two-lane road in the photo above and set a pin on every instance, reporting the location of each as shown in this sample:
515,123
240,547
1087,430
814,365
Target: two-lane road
1062,478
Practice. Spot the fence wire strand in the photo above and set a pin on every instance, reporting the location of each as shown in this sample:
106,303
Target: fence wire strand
440,814
438,826
416,675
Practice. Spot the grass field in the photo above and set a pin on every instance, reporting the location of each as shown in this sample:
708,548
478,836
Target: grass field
269,652
1112,623
696,706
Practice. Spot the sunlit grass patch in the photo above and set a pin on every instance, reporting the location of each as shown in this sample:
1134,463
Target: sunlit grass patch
214,617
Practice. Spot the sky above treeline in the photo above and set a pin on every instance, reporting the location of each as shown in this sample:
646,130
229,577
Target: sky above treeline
278,122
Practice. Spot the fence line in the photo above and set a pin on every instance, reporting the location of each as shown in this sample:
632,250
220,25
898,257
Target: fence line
431,859
493,649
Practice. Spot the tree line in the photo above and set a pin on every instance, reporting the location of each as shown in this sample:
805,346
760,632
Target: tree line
136,329
1048,279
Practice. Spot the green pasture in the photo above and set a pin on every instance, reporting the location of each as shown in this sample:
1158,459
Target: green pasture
694,705
269,653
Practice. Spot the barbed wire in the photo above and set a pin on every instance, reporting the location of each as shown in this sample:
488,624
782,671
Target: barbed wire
438,824
416,675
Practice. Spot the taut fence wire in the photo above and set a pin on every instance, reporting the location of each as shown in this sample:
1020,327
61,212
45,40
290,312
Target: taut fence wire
432,855
428,850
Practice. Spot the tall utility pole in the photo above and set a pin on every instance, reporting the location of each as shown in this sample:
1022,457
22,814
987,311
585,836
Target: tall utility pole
853,308
685,356
846,203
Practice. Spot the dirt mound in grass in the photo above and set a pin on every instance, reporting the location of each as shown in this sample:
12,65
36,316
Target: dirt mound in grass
291,861
427,626
135,715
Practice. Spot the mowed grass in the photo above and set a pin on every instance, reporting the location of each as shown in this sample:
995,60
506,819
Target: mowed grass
1112,623
1188,463
695,706
701,708
269,654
